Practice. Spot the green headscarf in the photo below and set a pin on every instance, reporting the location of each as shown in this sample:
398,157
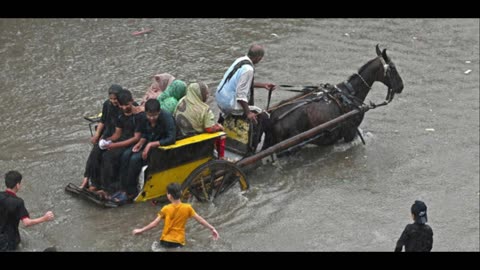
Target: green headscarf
170,97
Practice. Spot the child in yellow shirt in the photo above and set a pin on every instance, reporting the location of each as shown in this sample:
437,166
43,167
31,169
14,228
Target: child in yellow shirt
175,215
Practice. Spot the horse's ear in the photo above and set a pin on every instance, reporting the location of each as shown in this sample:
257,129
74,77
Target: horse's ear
385,57
378,50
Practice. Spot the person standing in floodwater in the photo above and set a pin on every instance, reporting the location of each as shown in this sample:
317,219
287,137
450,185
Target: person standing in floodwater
12,210
417,236
176,215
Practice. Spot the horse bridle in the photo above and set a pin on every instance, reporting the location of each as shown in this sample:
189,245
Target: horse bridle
386,71
390,93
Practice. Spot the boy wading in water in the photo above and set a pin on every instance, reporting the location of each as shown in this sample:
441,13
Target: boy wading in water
12,211
417,236
175,215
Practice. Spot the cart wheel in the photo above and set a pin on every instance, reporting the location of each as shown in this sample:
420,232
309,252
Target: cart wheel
210,179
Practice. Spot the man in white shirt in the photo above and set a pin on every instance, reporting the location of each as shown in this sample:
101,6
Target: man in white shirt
235,92
234,95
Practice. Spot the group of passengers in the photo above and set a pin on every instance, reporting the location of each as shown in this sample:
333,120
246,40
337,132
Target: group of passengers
128,131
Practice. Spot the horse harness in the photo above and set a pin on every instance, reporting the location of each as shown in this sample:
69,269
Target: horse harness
345,101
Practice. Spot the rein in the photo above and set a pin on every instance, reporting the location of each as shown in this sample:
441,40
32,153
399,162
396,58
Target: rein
289,102
363,80
390,93
269,98
347,96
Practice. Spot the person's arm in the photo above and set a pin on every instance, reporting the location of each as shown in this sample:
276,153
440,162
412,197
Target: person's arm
139,145
98,132
27,222
170,130
147,148
267,86
136,137
152,224
214,128
209,123
202,221
242,93
249,114
430,240
402,240
139,120
169,137
101,124
116,135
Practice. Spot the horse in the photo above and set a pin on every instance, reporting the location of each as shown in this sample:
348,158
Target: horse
320,104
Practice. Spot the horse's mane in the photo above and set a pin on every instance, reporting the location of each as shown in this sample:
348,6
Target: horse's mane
362,68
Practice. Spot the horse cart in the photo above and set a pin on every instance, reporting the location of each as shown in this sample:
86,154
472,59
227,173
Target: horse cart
191,161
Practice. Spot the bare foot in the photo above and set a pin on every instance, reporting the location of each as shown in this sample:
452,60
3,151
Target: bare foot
227,159
102,194
84,183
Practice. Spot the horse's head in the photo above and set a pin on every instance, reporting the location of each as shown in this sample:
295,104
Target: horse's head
390,76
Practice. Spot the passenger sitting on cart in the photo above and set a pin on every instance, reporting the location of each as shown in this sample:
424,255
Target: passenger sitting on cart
105,129
160,83
127,133
158,130
234,95
193,116
170,97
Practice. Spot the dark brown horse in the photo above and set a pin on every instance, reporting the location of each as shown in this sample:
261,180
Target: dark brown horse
318,105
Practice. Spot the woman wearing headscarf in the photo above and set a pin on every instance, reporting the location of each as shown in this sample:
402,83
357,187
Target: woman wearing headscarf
160,83
193,116
172,95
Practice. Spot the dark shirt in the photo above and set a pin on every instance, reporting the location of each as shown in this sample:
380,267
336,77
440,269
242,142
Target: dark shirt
164,131
109,117
130,124
415,237
15,211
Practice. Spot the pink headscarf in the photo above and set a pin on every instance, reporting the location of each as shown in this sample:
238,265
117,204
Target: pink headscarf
160,83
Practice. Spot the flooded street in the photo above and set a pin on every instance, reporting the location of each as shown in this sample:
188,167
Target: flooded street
346,197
